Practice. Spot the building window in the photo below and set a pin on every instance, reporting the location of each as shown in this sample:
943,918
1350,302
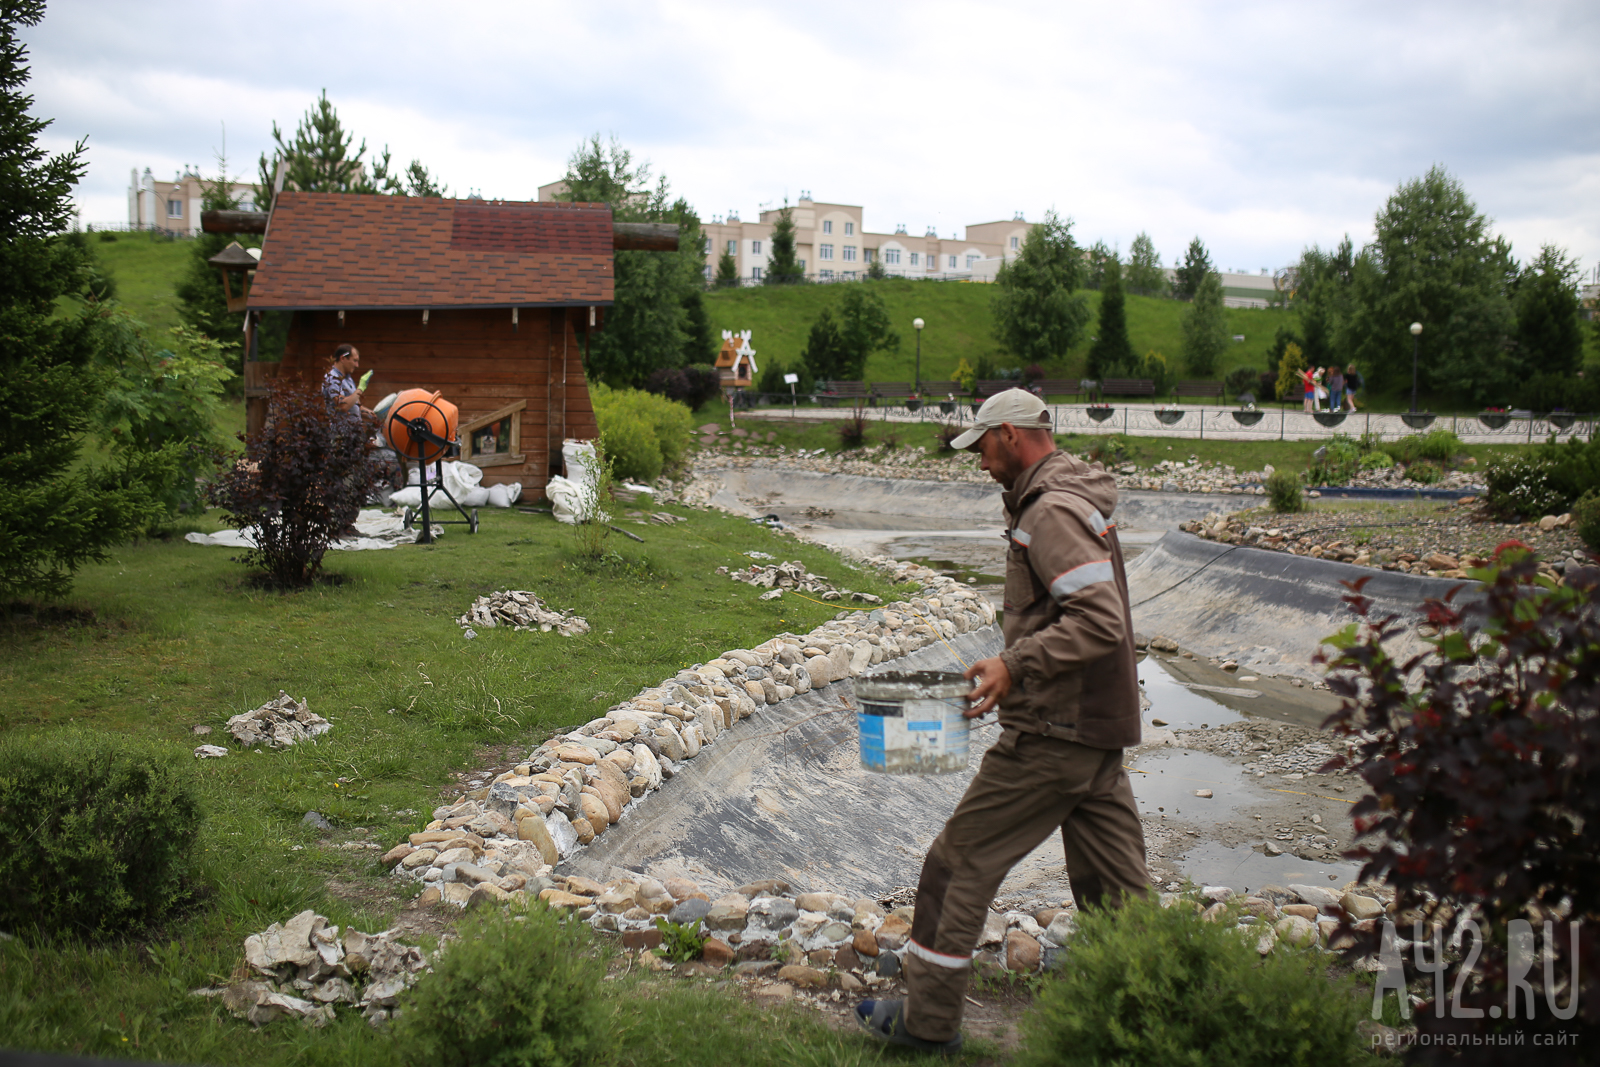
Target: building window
755,248
733,248
174,209
867,254
915,256
755,274
826,275
952,262
706,251
827,225
1014,242
824,251
850,253
970,261
850,275
494,439
849,228
892,255
708,272
802,266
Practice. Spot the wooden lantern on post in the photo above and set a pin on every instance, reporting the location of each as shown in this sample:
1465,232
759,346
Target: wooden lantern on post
235,260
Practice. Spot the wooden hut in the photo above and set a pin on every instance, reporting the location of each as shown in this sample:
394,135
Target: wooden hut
491,303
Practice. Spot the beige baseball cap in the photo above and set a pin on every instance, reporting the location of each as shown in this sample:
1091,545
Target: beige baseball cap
1017,406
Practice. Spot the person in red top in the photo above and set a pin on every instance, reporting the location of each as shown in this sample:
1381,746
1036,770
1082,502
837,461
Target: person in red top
1308,378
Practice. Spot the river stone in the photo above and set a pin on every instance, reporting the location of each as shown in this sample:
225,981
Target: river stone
820,670
594,809
471,874
888,965
833,933
671,743
561,832
691,741
1360,907
803,976
865,943
1323,899
727,914
278,945
1022,953
1295,930
422,857
1061,927
645,765
767,916
861,660
994,929
895,930
767,887
689,910
532,829
584,829
397,854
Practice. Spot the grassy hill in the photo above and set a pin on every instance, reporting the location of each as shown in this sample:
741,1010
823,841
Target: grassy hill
147,268
959,325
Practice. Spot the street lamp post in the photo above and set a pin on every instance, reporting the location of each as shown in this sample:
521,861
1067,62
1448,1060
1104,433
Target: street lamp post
918,324
1416,333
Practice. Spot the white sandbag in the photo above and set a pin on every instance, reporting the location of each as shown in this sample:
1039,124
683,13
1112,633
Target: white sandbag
462,479
582,464
503,496
568,500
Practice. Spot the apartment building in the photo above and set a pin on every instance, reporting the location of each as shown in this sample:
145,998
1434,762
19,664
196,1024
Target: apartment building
174,206
833,243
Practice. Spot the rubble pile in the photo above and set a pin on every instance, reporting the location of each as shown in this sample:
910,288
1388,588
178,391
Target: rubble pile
278,723
792,575
302,968
520,610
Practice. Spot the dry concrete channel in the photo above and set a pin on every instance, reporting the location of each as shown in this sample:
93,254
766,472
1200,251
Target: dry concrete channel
783,794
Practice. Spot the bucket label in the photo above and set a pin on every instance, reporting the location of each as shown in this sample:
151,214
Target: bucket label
913,736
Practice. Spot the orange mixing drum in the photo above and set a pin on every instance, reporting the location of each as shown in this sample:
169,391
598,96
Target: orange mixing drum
440,416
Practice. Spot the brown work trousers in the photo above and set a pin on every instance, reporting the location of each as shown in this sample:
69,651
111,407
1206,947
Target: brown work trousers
1027,787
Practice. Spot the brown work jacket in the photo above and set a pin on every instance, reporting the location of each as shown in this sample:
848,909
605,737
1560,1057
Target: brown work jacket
1068,624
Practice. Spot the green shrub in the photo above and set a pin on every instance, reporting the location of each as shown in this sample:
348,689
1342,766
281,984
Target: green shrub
1586,518
637,424
1546,481
1441,446
1376,461
1424,472
1144,984
96,831
1554,392
1283,489
517,990
1340,460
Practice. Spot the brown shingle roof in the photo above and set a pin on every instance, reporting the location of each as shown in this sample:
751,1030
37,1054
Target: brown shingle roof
338,250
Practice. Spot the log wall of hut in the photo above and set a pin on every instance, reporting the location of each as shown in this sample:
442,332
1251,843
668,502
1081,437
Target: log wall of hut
479,360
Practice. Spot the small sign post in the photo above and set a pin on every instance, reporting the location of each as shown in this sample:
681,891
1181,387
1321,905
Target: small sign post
791,379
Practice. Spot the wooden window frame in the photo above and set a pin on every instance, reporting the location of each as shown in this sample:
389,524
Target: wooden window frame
494,459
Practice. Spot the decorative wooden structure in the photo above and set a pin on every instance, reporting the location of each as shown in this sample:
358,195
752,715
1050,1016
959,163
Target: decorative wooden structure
736,361
492,303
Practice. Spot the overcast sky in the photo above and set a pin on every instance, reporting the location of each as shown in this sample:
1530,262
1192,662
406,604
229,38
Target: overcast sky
1259,127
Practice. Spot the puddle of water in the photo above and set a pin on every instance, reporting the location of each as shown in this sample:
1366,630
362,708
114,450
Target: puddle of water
1177,704
1243,868
1165,781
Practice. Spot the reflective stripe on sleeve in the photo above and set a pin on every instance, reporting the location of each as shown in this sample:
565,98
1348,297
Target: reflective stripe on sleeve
1021,537
1098,523
1080,577
938,959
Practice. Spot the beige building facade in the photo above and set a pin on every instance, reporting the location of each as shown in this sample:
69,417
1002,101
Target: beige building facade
174,206
833,243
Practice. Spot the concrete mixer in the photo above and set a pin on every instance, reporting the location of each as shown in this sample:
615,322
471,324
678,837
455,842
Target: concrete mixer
421,426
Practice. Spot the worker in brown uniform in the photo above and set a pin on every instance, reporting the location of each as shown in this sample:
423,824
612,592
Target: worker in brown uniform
1067,690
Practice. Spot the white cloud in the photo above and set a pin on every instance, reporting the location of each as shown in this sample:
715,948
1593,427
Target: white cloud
1259,127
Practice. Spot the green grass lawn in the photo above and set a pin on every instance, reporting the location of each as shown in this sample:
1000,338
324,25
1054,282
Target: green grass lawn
148,268
167,635
960,326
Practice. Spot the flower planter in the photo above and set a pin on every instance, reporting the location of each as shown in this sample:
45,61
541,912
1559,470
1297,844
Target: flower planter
913,404
947,407
1418,420
1168,418
1247,418
1100,412
1495,420
1330,418
1562,420
976,404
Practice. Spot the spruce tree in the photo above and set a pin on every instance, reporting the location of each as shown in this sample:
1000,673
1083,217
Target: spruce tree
1112,351
727,271
1205,328
1549,330
1192,271
59,513
783,266
1038,316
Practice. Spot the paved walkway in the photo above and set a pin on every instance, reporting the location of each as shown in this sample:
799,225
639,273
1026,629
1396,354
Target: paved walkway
1195,420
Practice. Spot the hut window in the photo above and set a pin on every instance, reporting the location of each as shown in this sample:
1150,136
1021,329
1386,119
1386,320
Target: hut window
494,439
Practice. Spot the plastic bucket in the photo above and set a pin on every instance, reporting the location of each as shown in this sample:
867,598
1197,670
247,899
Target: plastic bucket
911,722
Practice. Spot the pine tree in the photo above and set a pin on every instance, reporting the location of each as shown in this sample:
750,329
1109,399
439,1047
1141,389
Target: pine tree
319,159
783,266
1038,316
1205,328
1192,271
1144,274
202,302
1112,351
59,513
825,356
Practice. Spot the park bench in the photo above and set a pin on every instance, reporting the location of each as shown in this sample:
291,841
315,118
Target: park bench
833,392
1128,387
985,389
1048,387
892,391
1211,389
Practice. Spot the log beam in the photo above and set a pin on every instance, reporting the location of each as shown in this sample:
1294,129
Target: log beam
233,221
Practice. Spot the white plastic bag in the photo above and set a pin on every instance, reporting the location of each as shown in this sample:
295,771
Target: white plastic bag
462,479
